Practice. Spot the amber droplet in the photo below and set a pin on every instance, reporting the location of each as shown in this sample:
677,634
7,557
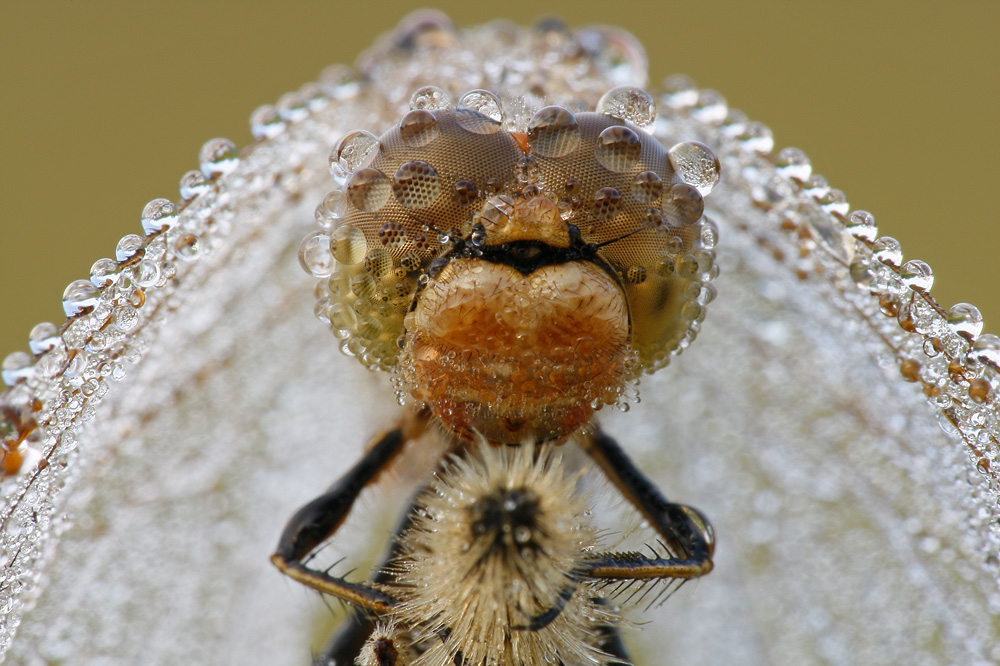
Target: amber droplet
979,390
910,369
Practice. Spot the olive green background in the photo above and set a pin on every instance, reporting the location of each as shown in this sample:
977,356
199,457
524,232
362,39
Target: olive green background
105,106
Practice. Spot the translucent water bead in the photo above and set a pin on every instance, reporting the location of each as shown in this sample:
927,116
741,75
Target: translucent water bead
16,368
316,256
696,164
987,350
158,215
218,157
104,273
917,275
429,98
679,92
861,225
629,103
792,163
965,320
266,122
43,337
192,184
129,247
355,151
888,251
484,102
711,107
79,297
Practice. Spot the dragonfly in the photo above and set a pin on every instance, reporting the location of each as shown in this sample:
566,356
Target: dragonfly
862,480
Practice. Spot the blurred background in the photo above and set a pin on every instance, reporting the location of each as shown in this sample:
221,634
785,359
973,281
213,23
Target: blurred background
106,104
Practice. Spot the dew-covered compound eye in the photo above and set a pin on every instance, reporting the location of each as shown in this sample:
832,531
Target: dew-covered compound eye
518,274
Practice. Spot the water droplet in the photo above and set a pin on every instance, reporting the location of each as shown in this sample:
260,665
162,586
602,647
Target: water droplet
987,350
147,273
709,235
392,234
648,187
334,209
293,107
606,202
429,98
472,120
553,132
416,184
830,234
794,164
683,206
711,107
348,244
757,137
266,122
43,337
861,225
218,157
464,192
193,183
187,247
679,92
104,273
16,368
80,296
158,215
128,247
965,320
635,274
484,102
696,164
356,150
917,275
834,202
368,190
418,128
618,148
888,251
526,170
315,255
629,103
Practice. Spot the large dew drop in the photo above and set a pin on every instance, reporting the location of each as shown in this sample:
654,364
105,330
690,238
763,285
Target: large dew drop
158,215
356,150
553,132
368,190
965,320
348,245
418,128
128,247
917,275
218,157
416,184
429,98
484,102
618,149
80,296
629,103
696,165
888,251
315,255
861,225
479,112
